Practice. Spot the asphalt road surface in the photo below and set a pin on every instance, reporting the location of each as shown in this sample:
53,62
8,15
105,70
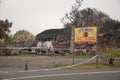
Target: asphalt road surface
69,74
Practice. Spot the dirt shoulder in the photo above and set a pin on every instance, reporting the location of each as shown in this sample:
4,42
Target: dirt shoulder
12,63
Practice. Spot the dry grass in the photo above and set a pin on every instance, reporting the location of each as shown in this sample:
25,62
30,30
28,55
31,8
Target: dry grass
101,65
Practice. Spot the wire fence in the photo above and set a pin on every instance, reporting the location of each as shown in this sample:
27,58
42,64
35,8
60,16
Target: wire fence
42,63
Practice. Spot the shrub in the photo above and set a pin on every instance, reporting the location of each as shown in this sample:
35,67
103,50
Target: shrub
5,52
112,53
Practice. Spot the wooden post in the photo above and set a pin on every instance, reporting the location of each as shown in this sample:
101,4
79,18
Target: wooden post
72,44
97,60
26,65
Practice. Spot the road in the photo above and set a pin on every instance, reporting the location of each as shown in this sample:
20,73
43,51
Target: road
69,74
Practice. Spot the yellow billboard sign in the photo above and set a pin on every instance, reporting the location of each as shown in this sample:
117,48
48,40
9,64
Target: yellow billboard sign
85,35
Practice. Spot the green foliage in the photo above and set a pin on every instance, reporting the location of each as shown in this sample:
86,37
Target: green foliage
55,65
4,28
102,65
113,52
87,56
5,52
8,40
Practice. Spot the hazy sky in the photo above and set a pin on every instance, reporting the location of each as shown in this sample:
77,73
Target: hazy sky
39,15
